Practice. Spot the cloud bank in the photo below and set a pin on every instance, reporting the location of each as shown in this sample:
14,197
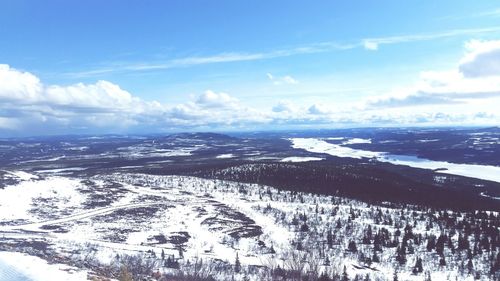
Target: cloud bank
475,80
469,94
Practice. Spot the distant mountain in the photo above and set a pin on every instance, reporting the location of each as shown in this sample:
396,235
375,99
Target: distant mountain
200,135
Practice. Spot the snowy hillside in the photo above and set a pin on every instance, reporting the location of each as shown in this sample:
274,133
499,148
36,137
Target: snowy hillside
175,224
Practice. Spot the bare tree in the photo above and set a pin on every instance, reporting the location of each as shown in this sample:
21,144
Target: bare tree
295,263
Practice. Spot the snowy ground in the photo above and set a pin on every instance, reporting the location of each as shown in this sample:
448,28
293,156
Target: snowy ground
191,218
300,159
17,266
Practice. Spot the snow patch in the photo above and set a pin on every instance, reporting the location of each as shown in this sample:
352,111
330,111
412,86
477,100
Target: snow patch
427,140
300,159
22,175
37,269
61,170
489,196
17,200
225,156
321,146
356,141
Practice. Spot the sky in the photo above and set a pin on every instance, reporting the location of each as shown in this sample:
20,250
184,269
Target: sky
93,67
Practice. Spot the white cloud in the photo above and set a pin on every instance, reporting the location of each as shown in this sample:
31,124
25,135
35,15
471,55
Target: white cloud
220,58
482,59
284,106
18,85
24,88
186,112
476,80
212,99
318,109
375,43
287,79
488,13
466,95
101,95
370,45
27,104
290,80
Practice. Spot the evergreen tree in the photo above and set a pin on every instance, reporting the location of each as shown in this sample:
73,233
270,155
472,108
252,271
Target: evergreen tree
401,255
418,266
485,243
442,261
345,277
271,250
237,264
477,249
431,243
339,224
304,228
440,244
327,261
299,246
470,266
375,257
463,242
171,262
368,235
377,243
324,277
496,264
352,247
329,239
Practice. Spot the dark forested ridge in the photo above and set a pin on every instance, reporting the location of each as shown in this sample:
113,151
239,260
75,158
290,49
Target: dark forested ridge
371,183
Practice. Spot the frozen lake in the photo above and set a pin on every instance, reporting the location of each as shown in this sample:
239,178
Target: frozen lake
485,172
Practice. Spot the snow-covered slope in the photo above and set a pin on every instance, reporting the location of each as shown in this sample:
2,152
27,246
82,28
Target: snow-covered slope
191,219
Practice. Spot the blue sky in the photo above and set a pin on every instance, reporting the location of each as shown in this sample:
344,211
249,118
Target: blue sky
160,66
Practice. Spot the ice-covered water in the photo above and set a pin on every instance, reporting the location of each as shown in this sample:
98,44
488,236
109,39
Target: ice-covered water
485,172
